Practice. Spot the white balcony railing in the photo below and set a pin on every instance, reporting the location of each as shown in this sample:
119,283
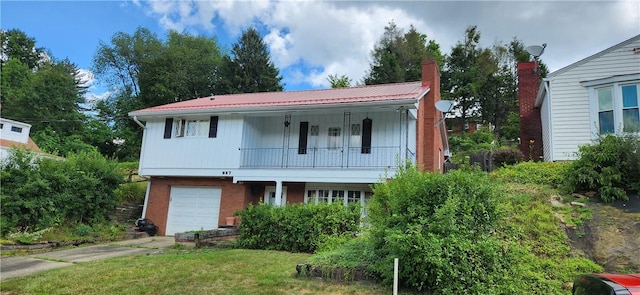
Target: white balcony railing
374,157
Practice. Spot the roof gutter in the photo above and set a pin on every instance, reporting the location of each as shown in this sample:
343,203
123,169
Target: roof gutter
135,119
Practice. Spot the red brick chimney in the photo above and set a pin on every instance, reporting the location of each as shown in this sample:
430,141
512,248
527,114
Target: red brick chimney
530,124
429,154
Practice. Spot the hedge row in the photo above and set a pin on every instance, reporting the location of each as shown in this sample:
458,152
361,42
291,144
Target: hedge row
297,227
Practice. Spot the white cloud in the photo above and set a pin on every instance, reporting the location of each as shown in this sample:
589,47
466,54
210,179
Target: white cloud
310,39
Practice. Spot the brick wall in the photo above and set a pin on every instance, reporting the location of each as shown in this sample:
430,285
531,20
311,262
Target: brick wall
428,137
234,196
530,124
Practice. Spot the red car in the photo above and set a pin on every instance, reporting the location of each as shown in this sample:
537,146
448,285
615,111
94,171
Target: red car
609,284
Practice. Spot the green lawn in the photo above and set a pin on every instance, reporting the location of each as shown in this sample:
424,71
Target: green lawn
192,272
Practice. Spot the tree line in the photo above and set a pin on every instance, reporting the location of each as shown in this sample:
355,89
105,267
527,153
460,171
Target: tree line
143,70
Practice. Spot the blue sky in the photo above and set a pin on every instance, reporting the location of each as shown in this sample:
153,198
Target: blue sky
309,40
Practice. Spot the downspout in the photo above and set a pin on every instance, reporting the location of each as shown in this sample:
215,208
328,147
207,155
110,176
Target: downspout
135,119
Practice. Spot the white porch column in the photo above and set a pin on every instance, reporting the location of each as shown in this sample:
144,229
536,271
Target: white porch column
278,200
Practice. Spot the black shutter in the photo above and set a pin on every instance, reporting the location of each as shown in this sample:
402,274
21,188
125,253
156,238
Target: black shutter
366,136
168,127
213,127
302,139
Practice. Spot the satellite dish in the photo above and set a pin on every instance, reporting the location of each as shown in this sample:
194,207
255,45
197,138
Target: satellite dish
444,106
536,50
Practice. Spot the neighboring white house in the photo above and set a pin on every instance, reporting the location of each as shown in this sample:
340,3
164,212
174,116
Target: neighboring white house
208,157
599,94
14,134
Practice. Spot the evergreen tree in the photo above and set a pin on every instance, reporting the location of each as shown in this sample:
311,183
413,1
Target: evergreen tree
397,57
339,82
462,77
249,68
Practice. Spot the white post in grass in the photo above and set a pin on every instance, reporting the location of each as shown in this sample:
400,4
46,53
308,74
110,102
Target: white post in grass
395,276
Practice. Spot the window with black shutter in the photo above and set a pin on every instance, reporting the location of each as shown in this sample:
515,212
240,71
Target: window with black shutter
366,136
168,127
302,139
213,127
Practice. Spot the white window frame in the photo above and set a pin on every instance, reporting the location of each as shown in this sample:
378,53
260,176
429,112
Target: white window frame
190,127
334,135
616,84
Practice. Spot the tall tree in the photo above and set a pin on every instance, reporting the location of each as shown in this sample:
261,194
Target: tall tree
46,93
249,68
146,71
16,44
183,68
339,82
397,56
462,77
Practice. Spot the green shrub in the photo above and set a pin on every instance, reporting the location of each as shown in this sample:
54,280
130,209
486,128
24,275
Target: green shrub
297,227
506,157
83,230
440,228
610,167
39,193
132,192
544,173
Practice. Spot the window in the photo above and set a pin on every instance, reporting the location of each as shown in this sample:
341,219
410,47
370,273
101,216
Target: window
630,108
196,128
1,125
353,197
334,138
16,129
605,110
323,196
615,104
178,128
315,130
339,195
355,135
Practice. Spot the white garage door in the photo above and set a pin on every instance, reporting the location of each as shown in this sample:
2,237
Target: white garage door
193,208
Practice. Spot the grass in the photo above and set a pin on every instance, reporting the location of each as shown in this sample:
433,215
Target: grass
191,272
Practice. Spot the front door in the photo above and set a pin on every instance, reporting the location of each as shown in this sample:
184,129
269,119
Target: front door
270,195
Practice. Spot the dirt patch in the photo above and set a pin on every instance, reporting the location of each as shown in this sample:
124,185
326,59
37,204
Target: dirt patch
611,237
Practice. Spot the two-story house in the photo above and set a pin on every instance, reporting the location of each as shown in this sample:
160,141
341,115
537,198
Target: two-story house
208,157
576,104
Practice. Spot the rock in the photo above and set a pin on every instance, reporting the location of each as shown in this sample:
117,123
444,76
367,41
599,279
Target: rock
559,217
567,286
579,204
579,196
590,194
557,204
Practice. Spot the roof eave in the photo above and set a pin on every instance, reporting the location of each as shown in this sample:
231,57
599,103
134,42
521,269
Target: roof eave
410,102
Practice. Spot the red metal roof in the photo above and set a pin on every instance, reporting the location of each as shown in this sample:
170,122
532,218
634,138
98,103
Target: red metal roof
362,94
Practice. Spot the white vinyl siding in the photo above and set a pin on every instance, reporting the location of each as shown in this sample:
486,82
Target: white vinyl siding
570,109
184,156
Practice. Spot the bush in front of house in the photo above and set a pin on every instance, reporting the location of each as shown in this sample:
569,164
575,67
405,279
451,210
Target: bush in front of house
610,167
296,227
441,229
506,157
38,193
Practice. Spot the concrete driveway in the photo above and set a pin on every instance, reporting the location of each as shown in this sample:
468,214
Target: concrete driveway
24,265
